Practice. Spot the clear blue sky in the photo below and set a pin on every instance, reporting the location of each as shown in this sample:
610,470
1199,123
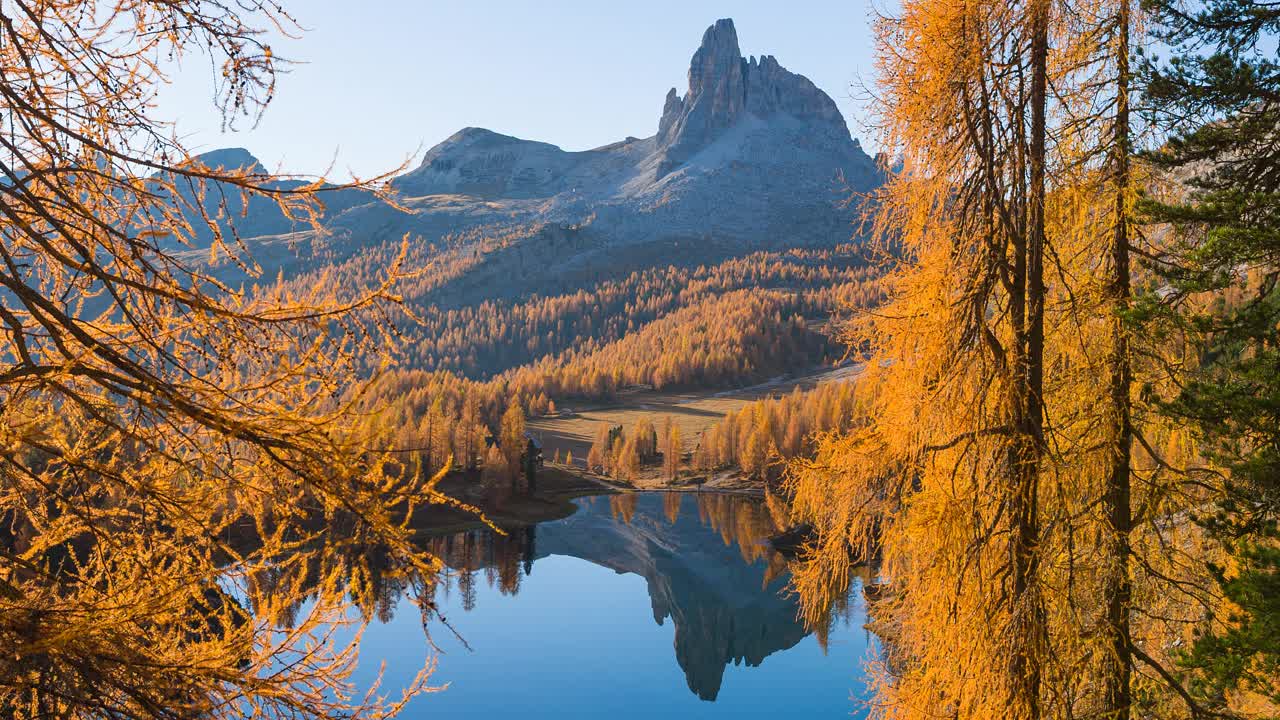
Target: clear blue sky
385,79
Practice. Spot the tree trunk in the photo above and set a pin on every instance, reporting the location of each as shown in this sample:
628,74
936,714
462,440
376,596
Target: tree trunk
1116,692
1029,612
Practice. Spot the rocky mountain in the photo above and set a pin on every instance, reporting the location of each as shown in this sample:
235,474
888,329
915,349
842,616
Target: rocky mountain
726,89
258,216
751,156
750,151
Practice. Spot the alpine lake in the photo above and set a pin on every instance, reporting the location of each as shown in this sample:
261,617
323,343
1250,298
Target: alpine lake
651,604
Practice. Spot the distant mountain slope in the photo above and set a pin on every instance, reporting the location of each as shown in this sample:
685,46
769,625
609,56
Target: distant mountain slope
750,152
752,156
227,207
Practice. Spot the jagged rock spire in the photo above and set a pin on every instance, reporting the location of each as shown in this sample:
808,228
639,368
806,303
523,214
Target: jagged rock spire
724,86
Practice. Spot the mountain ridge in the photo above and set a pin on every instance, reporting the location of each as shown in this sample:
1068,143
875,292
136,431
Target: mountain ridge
738,114
751,157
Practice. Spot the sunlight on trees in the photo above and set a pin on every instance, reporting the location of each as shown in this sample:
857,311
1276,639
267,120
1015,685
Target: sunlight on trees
188,498
1028,508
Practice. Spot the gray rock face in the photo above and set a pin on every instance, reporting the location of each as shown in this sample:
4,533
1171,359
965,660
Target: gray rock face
750,148
475,161
231,159
752,156
227,206
772,89
716,99
724,87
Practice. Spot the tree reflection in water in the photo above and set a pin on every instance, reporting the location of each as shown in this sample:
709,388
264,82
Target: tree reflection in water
708,568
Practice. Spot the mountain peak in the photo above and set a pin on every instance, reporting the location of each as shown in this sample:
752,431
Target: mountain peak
722,33
717,63
724,87
233,158
750,150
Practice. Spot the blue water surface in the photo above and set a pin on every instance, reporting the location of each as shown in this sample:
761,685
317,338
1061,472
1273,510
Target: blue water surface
649,606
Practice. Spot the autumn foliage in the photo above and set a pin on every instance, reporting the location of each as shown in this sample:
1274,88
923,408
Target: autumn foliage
182,464
1037,521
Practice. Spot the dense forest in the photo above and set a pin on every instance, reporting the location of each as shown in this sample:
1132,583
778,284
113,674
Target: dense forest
762,436
495,335
1064,455
757,440
740,322
481,330
729,340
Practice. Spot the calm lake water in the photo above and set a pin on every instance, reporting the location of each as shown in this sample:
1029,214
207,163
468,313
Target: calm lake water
645,605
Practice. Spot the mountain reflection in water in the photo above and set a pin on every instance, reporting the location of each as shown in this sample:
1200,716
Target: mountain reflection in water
703,558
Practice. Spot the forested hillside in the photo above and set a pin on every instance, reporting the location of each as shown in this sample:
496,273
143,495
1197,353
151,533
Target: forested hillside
1063,462
719,253
499,333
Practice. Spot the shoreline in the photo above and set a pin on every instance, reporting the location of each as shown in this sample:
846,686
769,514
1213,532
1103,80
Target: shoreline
558,486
